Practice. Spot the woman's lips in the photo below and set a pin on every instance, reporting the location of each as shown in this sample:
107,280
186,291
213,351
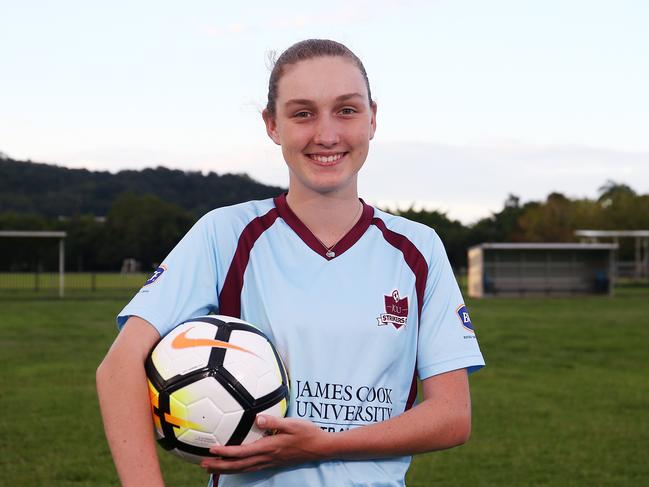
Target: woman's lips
327,159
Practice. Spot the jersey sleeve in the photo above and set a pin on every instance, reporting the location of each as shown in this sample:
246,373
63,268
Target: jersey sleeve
447,340
184,286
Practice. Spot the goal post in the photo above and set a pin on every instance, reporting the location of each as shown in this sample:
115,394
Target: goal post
44,234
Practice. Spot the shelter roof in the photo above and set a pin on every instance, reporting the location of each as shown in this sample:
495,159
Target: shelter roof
612,233
546,246
32,233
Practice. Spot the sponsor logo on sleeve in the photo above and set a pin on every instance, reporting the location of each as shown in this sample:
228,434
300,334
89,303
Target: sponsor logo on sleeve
463,315
156,275
396,311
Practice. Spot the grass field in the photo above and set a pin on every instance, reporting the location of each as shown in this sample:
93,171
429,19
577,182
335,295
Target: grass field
563,401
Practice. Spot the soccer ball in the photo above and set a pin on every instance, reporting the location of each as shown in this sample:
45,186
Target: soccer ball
208,379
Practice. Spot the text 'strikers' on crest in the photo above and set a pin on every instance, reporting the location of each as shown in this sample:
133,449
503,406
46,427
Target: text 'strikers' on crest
396,311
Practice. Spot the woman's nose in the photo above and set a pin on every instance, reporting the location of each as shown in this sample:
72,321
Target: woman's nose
326,132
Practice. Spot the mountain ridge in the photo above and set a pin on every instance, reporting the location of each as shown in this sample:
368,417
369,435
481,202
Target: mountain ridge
51,190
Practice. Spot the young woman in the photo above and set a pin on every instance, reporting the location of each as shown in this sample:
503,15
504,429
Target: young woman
358,302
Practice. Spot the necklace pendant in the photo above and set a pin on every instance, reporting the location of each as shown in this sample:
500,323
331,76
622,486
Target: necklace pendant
330,254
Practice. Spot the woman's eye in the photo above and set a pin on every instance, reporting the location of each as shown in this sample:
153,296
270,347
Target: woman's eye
347,111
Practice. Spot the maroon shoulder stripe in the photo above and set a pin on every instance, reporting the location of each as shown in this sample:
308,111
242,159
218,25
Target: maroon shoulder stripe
230,297
412,256
419,267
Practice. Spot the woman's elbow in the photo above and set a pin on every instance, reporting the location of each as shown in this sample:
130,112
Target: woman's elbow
102,375
463,430
107,374
457,432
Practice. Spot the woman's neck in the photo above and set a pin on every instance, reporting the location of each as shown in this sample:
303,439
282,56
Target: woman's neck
328,216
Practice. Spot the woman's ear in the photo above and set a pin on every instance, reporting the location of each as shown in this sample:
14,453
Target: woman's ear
373,120
271,126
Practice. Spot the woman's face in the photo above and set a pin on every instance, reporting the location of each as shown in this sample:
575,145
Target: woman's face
324,123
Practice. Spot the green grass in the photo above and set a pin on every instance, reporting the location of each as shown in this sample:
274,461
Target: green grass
563,400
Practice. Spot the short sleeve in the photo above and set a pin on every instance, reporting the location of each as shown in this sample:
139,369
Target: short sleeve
184,286
447,340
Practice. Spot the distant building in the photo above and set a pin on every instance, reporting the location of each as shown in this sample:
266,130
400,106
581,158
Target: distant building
515,269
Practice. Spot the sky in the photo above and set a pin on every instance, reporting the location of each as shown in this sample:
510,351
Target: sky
476,99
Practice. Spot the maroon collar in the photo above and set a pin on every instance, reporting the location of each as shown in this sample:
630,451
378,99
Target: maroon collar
344,244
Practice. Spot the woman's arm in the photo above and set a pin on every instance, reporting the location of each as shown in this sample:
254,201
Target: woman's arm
442,420
125,406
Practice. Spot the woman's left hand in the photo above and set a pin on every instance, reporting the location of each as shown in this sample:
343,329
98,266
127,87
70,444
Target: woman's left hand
295,441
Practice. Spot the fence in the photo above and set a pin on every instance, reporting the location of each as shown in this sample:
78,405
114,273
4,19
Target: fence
75,282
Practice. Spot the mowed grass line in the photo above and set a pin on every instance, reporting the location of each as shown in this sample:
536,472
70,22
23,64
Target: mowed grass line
563,399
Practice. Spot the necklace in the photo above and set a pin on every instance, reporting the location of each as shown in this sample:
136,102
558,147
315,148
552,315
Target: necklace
329,249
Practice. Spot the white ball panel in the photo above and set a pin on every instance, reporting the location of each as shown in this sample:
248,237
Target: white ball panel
268,383
255,343
198,438
209,387
205,412
275,410
253,435
246,367
244,372
227,426
170,360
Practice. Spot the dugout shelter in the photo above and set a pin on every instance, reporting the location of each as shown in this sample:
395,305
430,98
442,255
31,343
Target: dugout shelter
639,268
521,269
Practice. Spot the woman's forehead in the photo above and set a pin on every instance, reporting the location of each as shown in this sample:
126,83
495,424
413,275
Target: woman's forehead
320,79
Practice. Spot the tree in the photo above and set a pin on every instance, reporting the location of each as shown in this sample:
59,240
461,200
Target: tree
611,190
499,227
144,228
452,232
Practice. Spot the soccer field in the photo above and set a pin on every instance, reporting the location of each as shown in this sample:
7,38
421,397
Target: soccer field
563,400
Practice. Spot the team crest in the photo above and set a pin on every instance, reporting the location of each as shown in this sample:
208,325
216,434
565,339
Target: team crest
396,310
463,314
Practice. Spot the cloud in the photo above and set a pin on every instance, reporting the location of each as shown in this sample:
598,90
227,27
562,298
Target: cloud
469,182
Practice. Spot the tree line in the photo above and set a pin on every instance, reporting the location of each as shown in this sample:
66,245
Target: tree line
146,223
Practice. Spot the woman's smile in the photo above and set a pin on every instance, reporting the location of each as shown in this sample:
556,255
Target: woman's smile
327,159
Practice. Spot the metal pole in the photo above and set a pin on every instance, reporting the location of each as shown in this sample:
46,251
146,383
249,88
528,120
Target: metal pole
638,264
645,258
612,270
61,267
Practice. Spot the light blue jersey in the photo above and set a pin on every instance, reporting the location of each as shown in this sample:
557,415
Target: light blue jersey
355,326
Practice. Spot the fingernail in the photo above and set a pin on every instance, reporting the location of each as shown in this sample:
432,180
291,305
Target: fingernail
261,421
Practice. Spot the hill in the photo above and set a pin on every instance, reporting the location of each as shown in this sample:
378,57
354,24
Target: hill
52,191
